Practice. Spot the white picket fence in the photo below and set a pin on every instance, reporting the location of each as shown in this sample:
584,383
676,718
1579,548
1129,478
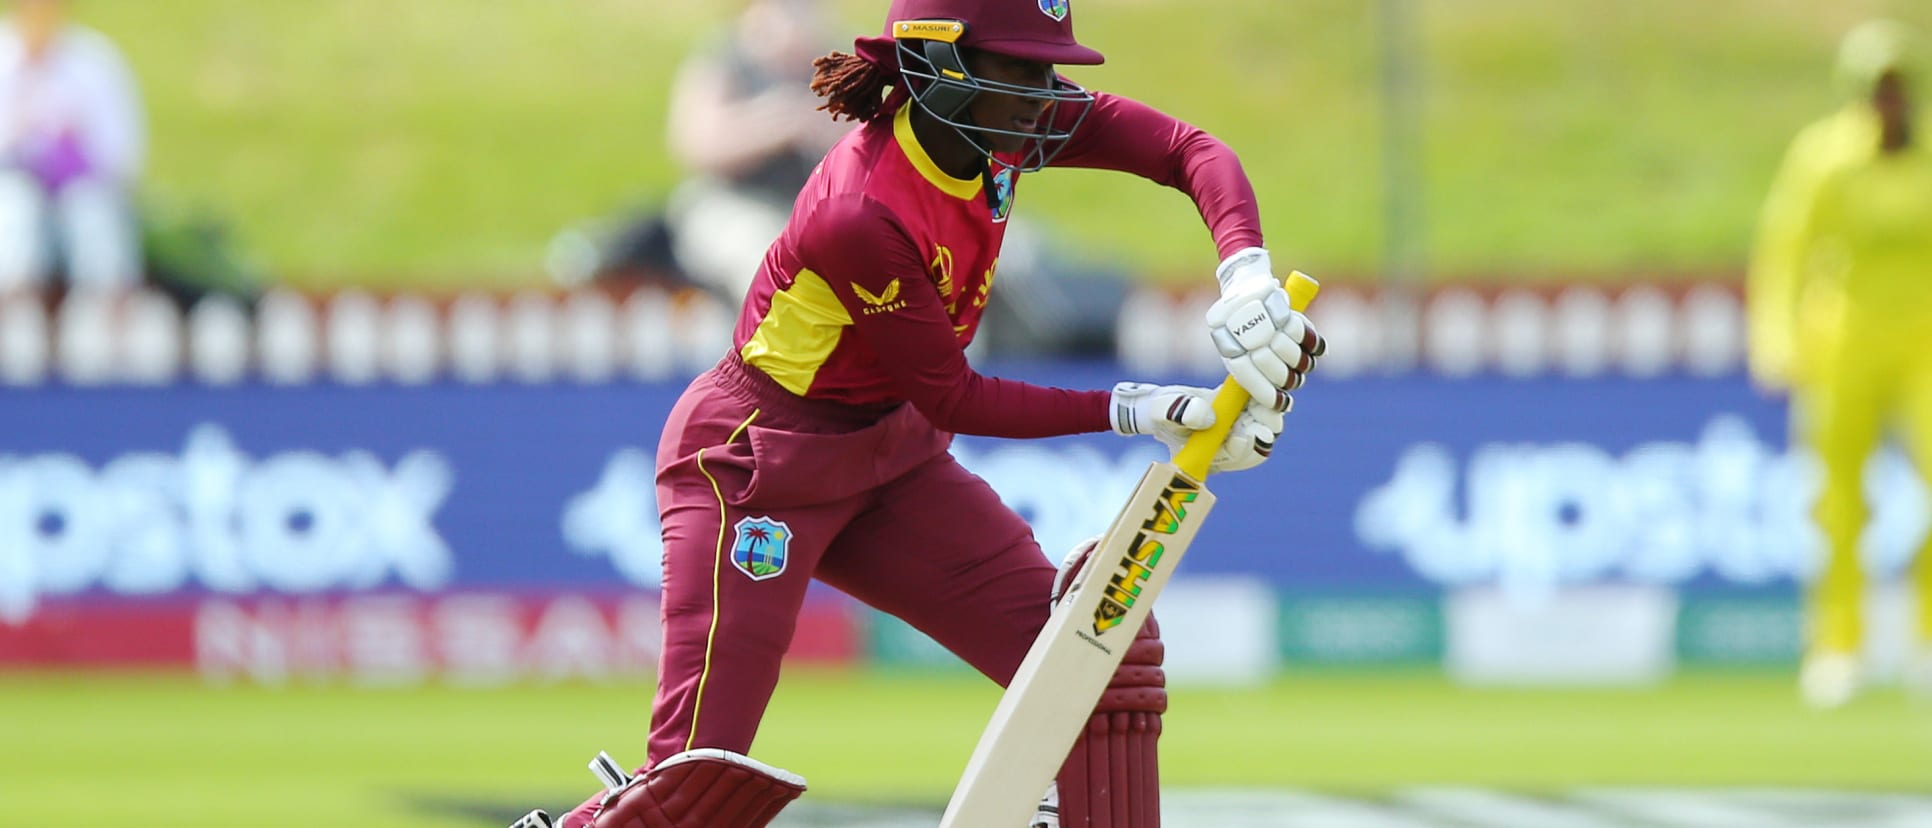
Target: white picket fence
356,337
1640,330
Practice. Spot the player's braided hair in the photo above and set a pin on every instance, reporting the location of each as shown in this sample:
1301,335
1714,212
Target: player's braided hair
853,87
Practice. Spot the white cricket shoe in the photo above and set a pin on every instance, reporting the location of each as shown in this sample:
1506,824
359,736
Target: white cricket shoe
1828,681
534,819
1048,816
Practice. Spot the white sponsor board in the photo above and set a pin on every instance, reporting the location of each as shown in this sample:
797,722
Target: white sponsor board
1588,635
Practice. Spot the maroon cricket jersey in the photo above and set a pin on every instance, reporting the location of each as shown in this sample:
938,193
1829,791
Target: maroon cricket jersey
878,283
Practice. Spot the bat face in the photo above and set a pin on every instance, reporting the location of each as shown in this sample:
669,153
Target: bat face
1053,693
1075,655
1142,557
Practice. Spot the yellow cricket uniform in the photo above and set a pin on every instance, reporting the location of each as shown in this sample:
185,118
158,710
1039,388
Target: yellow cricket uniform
1840,292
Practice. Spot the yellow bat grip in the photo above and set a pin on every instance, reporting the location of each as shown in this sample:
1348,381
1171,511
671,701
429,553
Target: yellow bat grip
1198,453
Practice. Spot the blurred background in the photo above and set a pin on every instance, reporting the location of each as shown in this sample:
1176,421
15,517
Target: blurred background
335,337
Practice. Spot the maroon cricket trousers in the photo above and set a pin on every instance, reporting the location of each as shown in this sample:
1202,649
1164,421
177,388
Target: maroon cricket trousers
761,490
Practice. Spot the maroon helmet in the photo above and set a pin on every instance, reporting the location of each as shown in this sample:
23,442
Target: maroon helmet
1039,30
929,35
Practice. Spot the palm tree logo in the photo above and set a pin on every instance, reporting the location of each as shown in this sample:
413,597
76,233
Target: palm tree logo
1003,194
762,547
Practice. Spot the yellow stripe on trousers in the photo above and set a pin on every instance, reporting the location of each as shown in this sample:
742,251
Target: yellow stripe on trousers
717,577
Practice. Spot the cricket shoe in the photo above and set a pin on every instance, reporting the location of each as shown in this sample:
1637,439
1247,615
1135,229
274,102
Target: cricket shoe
1828,681
1048,815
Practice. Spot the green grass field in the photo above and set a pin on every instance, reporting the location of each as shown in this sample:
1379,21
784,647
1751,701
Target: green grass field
440,143
166,750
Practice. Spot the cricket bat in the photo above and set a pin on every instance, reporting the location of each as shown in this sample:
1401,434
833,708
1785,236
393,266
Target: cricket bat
1049,700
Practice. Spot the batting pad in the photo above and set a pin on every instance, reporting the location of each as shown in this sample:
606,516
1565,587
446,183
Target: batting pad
705,788
1112,777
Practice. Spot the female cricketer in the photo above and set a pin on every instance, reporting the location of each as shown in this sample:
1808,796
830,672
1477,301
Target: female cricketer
1840,294
818,447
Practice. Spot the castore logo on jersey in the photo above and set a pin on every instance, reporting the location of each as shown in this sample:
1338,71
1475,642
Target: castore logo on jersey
885,301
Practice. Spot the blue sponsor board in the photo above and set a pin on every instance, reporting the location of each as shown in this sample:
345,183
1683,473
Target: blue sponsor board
1528,485
1399,483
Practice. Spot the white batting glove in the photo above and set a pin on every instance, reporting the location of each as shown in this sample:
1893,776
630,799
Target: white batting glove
1071,566
1169,412
1267,345
1252,439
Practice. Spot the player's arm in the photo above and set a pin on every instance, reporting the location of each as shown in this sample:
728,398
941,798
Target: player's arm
119,137
1125,135
717,129
1268,346
1774,280
875,269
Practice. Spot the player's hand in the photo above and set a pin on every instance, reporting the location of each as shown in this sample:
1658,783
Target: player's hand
1071,565
1169,412
1267,345
1252,439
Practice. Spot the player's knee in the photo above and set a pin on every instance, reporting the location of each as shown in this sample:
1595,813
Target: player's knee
1139,684
707,788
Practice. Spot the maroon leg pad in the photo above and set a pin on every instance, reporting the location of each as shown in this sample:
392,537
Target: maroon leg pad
1112,777
690,792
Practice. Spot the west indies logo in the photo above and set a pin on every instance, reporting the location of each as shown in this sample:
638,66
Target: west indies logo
1003,189
1056,9
762,547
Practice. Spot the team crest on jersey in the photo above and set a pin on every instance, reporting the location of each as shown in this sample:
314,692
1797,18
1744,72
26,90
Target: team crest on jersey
762,547
1003,191
1056,9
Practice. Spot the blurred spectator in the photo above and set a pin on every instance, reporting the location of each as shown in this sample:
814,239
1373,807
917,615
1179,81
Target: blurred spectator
746,128
1841,316
71,145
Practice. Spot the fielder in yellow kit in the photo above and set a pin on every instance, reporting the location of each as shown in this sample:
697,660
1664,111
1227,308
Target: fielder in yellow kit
1840,293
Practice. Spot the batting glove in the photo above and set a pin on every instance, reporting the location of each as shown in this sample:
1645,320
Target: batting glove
1068,577
1267,345
1169,412
1253,437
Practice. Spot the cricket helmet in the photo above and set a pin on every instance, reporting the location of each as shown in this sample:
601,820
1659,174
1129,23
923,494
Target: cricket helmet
1872,49
929,36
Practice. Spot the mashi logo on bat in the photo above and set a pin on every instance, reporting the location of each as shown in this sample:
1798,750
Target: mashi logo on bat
1143,556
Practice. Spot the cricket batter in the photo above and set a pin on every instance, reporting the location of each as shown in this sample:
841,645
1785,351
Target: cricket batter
818,447
1840,293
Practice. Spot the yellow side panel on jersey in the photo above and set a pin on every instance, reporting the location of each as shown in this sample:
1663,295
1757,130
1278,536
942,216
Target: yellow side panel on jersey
798,333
